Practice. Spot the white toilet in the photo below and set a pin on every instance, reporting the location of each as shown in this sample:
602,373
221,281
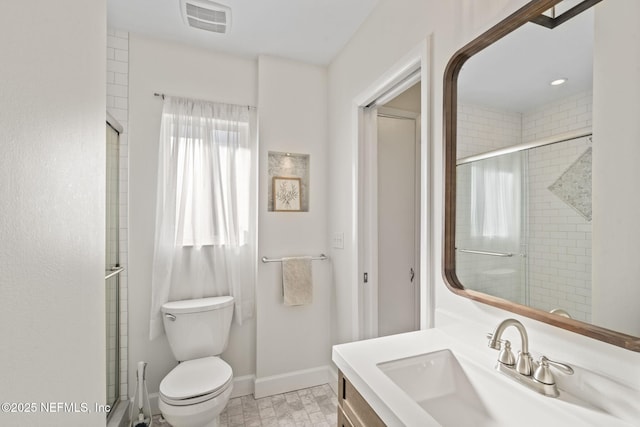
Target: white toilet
196,391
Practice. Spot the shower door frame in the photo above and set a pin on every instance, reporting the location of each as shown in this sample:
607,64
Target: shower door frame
114,271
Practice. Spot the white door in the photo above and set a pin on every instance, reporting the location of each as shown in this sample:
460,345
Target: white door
398,232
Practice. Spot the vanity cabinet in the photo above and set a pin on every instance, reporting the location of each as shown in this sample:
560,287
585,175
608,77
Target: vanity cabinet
353,410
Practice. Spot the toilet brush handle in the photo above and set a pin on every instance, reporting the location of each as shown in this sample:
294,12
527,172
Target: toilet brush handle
141,368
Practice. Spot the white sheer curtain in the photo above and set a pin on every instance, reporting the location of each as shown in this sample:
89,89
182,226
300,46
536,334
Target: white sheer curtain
205,230
496,202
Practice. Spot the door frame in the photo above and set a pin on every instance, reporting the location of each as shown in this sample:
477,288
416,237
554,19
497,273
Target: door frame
391,83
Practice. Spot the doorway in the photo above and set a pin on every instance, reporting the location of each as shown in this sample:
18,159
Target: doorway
398,219
391,211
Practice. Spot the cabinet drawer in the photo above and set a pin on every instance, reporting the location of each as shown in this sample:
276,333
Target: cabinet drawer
355,408
343,421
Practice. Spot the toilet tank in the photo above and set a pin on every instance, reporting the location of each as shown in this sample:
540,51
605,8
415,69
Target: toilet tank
198,327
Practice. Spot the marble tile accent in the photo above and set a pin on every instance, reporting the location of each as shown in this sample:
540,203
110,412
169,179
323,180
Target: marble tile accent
574,185
311,407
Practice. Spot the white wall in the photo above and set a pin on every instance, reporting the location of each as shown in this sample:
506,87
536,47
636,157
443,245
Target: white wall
393,29
52,214
293,118
174,69
616,174
409,100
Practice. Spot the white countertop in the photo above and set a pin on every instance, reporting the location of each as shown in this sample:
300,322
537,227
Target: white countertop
358,361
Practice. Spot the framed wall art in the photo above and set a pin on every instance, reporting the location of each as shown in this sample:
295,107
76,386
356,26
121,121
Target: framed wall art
286,194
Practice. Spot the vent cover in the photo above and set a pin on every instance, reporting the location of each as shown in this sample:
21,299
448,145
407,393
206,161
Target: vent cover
206,15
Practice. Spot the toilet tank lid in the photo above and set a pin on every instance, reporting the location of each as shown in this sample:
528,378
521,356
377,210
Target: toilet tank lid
197,305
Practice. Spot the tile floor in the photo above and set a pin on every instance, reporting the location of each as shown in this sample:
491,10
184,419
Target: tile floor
311,407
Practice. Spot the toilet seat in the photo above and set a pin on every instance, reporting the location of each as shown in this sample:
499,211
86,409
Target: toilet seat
196,381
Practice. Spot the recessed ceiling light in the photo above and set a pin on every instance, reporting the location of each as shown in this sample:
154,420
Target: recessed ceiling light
558,82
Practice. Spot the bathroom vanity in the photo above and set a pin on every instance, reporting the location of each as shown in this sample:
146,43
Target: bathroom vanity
438,378
353,409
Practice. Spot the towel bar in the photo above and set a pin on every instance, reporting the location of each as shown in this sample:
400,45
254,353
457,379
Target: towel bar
322,257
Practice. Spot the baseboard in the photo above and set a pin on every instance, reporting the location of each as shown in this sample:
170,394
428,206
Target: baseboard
153,401
243,386
277,384
333,375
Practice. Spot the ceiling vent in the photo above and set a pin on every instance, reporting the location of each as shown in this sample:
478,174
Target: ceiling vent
206,15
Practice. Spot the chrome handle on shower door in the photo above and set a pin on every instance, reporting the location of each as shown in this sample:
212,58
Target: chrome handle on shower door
113,271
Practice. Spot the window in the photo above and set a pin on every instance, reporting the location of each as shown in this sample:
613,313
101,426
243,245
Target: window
491,202
212,185
496,197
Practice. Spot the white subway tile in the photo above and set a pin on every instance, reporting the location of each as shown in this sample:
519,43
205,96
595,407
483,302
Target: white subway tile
117,42
121,55
118,67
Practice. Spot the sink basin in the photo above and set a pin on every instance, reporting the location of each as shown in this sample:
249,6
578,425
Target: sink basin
439,384
431,378
457,393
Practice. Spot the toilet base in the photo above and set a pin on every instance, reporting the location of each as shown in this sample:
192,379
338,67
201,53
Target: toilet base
204,414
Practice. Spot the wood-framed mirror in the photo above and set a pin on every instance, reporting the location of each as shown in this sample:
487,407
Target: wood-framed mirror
525,229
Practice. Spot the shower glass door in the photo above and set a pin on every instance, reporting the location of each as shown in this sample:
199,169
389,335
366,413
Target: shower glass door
491,225
112,267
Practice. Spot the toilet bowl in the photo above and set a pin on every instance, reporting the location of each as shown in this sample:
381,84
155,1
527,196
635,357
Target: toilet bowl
196,391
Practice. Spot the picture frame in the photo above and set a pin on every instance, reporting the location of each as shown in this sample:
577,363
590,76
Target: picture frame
285,164
286,194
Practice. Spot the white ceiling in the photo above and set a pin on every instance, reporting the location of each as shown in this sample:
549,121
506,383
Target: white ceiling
515,72
311,31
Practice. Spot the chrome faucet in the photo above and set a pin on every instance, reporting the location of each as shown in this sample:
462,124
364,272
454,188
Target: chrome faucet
523,369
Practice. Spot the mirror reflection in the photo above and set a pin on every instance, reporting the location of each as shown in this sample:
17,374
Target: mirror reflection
524,158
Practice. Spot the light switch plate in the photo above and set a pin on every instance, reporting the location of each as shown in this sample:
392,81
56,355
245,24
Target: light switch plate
337,240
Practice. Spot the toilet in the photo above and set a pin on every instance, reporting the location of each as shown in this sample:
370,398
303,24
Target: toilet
196,391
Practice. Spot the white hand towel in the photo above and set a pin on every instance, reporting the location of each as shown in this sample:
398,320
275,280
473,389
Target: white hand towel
297,284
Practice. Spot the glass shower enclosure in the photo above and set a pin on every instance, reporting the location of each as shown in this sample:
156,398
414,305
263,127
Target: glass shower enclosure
112,264
523,224
491,225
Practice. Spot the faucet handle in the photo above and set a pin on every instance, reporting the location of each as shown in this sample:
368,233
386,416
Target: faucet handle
543,372
506,356
563,367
